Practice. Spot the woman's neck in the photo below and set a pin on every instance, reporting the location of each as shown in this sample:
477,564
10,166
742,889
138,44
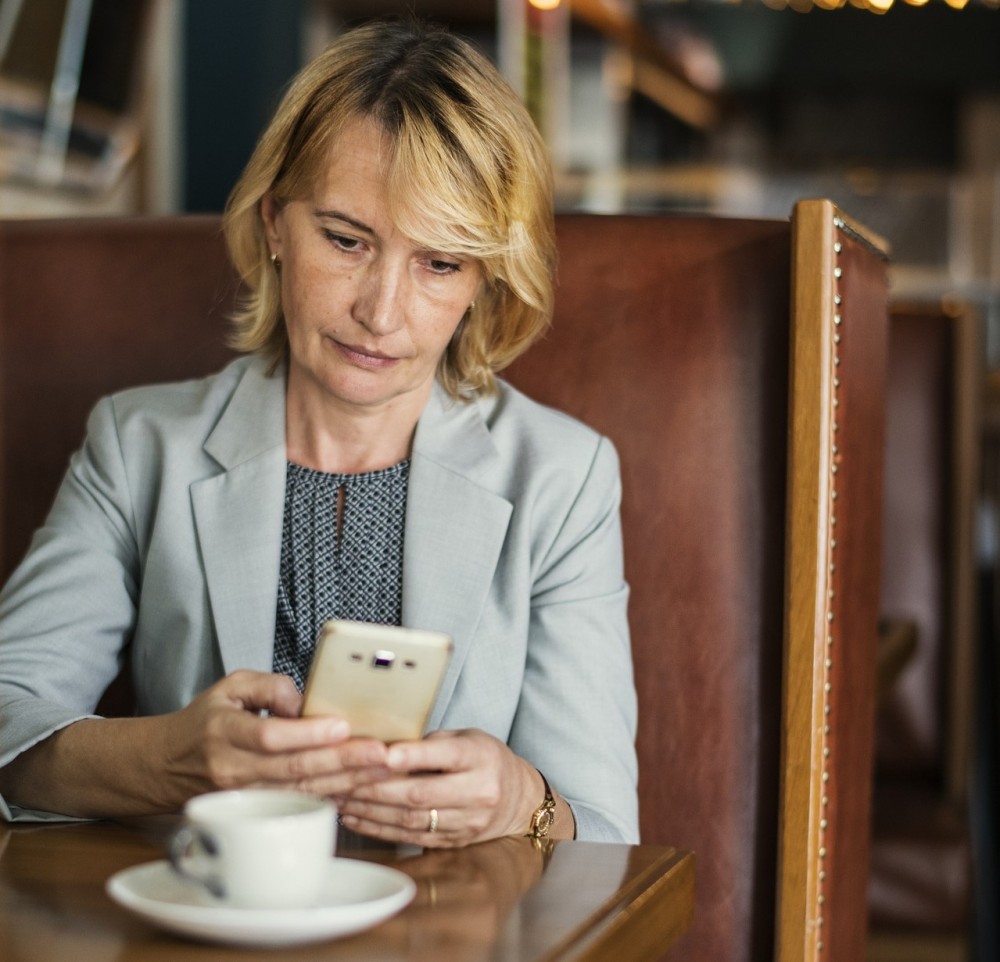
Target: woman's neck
340,439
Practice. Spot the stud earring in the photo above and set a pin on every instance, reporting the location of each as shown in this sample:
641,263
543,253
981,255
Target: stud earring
276,261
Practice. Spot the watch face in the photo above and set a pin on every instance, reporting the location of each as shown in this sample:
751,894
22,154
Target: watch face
543,821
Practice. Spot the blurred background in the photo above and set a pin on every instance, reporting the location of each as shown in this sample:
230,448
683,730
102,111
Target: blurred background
152,106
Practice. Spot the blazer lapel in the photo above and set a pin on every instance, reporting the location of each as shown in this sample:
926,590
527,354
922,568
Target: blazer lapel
238,516
455,528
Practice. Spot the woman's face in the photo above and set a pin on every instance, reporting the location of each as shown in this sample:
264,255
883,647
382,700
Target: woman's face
368,312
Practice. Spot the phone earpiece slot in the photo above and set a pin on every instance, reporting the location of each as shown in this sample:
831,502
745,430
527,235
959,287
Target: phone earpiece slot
383,659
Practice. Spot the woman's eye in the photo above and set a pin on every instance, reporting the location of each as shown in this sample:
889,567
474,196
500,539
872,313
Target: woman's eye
344,243
444,267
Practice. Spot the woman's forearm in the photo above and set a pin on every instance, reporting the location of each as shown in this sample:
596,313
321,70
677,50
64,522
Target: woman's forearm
244,730
95,767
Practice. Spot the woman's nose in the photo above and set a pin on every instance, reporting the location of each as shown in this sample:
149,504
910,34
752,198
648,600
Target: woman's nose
380,304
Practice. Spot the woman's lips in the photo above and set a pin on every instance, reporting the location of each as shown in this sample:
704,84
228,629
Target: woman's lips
373,360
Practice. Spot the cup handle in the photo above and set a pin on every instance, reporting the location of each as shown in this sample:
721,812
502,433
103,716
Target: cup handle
186,845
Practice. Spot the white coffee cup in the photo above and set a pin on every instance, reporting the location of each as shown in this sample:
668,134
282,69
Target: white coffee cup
257,848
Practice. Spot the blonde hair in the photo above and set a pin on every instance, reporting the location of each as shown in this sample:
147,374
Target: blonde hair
468,174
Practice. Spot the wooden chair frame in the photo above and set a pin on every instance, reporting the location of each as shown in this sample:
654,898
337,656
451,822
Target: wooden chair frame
826,757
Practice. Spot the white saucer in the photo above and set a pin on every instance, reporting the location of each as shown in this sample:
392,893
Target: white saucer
356,896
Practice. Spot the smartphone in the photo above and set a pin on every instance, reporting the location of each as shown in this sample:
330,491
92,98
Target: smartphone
383,679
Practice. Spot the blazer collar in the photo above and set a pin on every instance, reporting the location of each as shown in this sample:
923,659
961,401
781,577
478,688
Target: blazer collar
451,433
253,421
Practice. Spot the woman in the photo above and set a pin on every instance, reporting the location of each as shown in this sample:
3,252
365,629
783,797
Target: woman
394,230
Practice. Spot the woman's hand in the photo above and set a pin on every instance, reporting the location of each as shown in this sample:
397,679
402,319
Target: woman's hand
477,786
107,767
222,741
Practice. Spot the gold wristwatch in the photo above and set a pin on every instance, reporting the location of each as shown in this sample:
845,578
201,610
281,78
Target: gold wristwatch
544,815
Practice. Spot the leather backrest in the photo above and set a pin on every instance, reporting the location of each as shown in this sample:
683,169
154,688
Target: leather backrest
88,307
671,336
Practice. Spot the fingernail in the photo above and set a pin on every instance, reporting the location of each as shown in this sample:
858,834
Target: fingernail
337,728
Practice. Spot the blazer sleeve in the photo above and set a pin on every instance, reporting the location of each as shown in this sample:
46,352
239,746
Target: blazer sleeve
68,611
576,717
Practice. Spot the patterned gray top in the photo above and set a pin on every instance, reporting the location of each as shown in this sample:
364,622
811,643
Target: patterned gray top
354,573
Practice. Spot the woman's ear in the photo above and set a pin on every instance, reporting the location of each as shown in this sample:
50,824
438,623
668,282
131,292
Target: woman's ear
270,212
482,288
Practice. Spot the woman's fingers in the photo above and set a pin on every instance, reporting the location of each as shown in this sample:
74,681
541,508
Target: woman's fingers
326,771
222,740
430,828
277,736
473,781
440,751
260,691
463,789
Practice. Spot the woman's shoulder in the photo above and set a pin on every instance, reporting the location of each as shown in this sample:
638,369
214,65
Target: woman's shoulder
536,420
526,428
141,420
192,397
547,462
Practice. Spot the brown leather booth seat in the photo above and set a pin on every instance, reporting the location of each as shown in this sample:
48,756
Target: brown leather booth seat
672,337
922,861
721,356
88,307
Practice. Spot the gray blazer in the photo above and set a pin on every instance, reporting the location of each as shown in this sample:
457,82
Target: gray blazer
166,533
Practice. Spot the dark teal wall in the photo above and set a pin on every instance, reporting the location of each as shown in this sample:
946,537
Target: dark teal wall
238,57
826,87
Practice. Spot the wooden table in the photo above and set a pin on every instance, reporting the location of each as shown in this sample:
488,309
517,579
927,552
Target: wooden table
504,899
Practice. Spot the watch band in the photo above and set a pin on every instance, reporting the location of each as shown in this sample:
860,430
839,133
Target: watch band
543,816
